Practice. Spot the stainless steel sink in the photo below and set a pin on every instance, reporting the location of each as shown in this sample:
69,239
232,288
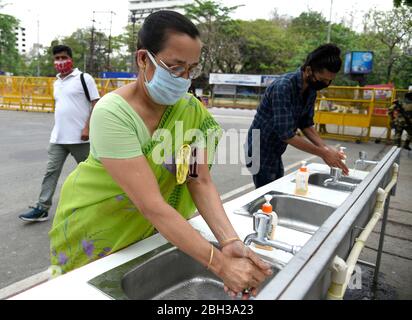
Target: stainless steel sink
293,212
165,273
317,179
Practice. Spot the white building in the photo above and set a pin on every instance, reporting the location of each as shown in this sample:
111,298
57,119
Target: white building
140,9
20,34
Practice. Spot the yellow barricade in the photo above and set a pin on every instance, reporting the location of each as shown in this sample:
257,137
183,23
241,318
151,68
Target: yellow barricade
11,92
35,94
354,111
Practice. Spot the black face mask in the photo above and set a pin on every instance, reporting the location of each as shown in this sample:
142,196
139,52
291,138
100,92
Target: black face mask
317,84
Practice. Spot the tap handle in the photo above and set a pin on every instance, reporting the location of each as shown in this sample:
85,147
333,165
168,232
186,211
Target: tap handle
363,155
255,221
335,172
258,219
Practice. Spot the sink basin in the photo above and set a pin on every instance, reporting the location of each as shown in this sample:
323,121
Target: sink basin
165,273
318,179
305,215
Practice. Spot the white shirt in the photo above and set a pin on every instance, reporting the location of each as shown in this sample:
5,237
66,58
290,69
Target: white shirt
72,107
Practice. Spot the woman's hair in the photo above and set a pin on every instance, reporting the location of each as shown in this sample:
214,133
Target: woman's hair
326,56
62,48
159,25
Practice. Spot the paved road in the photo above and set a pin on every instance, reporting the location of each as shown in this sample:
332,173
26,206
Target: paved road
24,248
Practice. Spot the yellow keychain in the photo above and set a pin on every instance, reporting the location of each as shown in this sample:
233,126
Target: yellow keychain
182,163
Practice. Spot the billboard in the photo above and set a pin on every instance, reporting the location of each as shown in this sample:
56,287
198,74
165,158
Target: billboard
268,79
117,75
358,62
235,79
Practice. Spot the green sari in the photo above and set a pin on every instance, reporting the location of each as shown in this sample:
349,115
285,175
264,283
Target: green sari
95,217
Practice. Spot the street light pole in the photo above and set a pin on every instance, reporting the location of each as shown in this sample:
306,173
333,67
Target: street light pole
91,64
38,47
133,20
330,22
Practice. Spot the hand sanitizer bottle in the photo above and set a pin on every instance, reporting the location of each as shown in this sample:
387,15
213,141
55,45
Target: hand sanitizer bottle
302,180
268,209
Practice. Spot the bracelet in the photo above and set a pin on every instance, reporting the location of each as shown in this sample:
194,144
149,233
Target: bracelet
229,241
211,258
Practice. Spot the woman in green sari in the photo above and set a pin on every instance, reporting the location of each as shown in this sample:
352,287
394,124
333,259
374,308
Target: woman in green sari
128,188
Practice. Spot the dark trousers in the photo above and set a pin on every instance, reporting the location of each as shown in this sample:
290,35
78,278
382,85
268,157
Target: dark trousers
266,175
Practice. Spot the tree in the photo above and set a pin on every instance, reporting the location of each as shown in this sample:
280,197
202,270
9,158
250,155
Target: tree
398,3
10,60
308,31
394,30
214,23
265,48
126,45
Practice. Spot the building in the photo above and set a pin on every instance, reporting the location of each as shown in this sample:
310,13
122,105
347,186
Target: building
20,34
140,9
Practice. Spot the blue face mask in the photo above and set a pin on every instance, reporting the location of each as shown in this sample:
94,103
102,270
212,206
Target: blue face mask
165,89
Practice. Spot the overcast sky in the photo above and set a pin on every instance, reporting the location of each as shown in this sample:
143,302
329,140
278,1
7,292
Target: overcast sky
58,18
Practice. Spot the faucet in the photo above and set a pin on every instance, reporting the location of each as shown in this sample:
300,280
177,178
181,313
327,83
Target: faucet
362,160
262,225
335,175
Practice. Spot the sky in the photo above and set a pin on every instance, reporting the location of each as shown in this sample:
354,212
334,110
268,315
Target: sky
47,19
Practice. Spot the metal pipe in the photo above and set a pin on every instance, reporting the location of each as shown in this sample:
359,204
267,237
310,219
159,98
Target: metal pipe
330,22
384,221
333,293
366,263
381,241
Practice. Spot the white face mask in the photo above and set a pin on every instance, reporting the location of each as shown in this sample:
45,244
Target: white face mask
163,88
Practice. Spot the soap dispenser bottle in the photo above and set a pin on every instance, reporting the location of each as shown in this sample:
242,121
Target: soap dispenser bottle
342,150
268,210
302,180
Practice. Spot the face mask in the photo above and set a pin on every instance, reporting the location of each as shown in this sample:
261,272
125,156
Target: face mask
165,89
317,84
63,66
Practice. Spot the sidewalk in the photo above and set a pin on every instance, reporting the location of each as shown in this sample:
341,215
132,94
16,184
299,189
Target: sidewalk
395,276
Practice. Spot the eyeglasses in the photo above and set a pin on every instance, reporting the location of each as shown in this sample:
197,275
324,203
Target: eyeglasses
178,71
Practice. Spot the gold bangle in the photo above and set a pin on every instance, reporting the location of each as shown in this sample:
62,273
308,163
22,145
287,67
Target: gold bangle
229,241
211,258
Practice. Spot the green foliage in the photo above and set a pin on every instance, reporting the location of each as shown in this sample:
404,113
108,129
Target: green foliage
394,31
273,46
219,32
398,3
10,60
265,48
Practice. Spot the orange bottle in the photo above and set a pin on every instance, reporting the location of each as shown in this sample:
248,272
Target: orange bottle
302,180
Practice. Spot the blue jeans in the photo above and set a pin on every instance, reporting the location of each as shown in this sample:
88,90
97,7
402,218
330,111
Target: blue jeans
266,175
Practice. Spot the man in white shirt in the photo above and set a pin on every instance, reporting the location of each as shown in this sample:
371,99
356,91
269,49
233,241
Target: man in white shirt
75,95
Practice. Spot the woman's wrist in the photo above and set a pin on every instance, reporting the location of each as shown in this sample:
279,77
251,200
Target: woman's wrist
216,266
228,241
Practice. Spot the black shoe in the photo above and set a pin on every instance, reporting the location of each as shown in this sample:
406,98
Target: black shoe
407,148
36,214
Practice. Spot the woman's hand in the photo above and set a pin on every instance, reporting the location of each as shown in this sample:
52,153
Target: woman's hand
237,249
